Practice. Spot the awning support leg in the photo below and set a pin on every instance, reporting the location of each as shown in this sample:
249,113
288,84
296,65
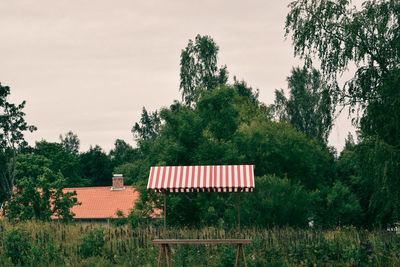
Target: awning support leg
165,215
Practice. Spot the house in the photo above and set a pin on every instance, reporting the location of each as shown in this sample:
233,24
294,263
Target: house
101,203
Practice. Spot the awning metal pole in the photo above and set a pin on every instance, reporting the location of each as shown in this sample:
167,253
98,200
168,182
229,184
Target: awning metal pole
165,214
238,196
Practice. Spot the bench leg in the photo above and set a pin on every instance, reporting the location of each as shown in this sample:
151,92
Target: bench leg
164,255
160,252
237,254
240,246
244,257
167,255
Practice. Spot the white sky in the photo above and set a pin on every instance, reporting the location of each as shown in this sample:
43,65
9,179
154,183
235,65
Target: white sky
90,66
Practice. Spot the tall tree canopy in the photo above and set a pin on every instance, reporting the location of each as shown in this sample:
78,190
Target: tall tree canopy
12,128
340,35
123,153
96,166
40,197
149,125
310,107
228,128
62,161
199,70
70,142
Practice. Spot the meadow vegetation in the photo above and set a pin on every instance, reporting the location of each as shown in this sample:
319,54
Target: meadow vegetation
53,244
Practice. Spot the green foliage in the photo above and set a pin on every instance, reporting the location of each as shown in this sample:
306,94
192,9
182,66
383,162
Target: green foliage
62,202
92,243
199,71
243,89
135,218
31,166
123,153
382,115
337,205
18,245
61,161
149,125
378,183
70,142
346,164
40,199
125,246
340,35
277,148
227,128
120,220
310,107
12,128
218,113
277,202
96,166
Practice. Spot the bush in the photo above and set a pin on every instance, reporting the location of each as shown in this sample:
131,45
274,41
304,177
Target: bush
92,243
121,220
17,246
278,201
134,219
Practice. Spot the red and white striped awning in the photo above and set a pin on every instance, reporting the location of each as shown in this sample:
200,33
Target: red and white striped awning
216,178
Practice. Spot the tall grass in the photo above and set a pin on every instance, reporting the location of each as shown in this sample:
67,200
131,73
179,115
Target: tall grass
55,244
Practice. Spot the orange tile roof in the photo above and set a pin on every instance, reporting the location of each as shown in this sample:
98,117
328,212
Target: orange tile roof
102,202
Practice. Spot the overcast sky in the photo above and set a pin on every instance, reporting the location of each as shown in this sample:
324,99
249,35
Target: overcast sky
90,66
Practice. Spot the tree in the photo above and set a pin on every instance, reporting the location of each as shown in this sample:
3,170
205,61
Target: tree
12,128
31,166
199,71
277,148
123,153
310,107
243,89
70,143
41,198
96,166
340,35
133,171
149,125
277,202
61,161
218,113
336,206
227,128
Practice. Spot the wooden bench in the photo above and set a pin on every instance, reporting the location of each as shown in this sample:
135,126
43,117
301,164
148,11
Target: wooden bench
164,247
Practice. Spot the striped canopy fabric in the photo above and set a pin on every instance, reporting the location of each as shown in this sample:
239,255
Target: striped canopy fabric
214,178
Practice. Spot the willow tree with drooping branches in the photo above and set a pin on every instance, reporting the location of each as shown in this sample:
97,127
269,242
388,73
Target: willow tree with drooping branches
342,36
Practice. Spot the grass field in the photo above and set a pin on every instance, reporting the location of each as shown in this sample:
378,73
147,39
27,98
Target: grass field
57,244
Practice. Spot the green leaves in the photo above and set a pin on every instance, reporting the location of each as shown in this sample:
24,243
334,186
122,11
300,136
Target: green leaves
149,125
41,198
311,104
339,36
276,201
218,113
96,166
229,126
12,128
199,71
92,243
